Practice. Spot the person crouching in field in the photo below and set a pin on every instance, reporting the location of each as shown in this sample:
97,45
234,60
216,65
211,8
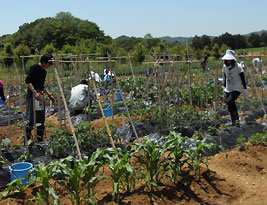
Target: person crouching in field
234,80
35,80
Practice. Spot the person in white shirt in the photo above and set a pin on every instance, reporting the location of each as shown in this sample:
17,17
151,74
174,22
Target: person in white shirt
234,83
257,63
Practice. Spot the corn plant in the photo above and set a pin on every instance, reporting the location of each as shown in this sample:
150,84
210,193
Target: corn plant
90,169
123,174
72,175
194,153
42,174
175,145
14,185
240,142
149,156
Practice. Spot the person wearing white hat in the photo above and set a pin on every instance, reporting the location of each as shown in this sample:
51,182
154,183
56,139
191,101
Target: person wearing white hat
234,80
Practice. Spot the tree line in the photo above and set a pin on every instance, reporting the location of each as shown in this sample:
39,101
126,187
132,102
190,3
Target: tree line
65,33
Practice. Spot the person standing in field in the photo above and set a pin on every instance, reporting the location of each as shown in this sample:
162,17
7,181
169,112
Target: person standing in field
2,93
204,62
35,81
234,82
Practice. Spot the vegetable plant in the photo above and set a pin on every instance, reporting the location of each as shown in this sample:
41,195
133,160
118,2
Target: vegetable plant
151,159
123,174
174,143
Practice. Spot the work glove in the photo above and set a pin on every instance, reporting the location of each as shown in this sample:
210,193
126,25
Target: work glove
224,91
245,91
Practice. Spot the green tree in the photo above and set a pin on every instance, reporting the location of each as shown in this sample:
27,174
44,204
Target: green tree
68,49
254,40
223,48
197,43
216,51
8,54
264,38
49,48
139,53
22,50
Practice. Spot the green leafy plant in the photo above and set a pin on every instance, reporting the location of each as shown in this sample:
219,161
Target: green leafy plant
195,153
258,138
89,173
6,143
14,185
72,175
123,174
240,142
212,130
174,143
87,138
61,143
151,159
25,157
42,174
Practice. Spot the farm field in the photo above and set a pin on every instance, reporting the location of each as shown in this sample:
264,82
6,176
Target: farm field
172,122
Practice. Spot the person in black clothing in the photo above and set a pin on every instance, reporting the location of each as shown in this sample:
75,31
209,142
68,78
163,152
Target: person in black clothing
2,94
35,80
204,62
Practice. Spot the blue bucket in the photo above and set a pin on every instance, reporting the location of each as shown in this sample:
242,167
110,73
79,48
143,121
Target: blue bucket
108,111
20,170
118,96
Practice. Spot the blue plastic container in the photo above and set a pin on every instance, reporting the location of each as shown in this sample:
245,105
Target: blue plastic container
118,96
108,111
20,170
1,101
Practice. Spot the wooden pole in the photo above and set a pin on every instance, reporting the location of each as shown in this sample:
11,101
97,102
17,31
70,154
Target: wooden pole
190,76
126,109
112,87
21,108
101,109
216,90
257,94
9,101
131,68
68,114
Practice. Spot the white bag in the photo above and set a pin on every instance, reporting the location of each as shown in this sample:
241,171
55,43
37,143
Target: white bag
78,99
39,105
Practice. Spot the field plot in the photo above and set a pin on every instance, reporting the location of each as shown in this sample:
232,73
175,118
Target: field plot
167,139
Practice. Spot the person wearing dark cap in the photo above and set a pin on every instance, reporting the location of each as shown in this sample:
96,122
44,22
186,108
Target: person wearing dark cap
234,83
2,93
35,99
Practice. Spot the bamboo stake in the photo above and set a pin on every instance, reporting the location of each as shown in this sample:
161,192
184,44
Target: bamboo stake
132,68
68,114
9,102
126,108
101,109
257,94
112,87
189,72
216,90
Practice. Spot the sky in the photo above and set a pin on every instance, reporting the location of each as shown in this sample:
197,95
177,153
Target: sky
174,18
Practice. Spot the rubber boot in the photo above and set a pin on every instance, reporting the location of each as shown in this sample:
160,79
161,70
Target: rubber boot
235,119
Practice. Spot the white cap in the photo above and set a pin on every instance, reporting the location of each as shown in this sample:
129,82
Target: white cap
229,55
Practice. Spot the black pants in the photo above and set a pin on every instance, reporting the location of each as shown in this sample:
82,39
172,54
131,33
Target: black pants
40,119
230,101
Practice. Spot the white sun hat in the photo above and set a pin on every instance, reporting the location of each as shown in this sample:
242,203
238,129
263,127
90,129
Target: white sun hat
229,55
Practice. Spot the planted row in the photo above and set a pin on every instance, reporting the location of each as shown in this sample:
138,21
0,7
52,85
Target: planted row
147,161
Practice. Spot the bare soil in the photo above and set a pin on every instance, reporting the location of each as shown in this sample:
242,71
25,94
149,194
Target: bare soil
233,177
